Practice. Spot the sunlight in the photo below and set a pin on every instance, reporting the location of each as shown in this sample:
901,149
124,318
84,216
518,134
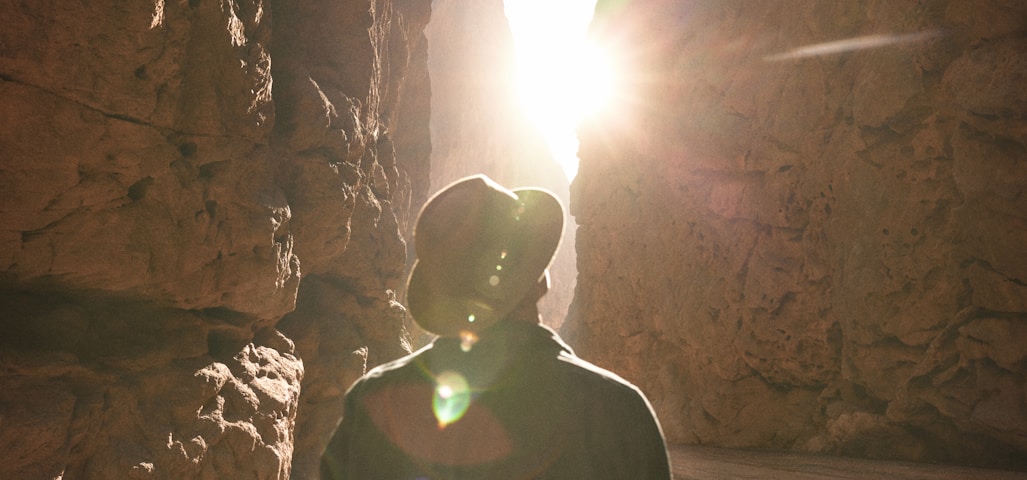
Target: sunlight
561,78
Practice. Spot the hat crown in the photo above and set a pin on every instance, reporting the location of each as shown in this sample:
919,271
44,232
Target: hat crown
480,249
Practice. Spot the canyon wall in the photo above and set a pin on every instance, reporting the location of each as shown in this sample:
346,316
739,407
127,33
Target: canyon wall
169,171
814,249
203,207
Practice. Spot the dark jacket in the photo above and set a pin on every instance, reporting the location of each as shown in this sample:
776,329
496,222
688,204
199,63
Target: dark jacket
518,404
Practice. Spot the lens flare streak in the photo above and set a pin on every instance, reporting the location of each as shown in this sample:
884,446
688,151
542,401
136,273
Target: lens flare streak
851,44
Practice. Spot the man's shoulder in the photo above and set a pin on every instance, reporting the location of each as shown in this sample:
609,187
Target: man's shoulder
389,372
583,372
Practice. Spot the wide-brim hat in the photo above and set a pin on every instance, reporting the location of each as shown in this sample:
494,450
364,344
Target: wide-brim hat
480,249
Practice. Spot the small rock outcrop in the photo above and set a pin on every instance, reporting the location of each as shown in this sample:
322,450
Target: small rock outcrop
813,248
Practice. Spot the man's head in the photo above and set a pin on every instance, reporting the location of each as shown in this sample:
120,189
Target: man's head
481,249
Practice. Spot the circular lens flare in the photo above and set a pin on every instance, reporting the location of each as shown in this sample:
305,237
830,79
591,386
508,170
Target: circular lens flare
467,340
452,398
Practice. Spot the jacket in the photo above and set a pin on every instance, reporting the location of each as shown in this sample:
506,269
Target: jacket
517,404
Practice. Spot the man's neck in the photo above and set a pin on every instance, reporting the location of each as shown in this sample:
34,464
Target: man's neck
527,313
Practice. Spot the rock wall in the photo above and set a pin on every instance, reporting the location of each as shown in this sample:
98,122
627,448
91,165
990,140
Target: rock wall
821,253
167,171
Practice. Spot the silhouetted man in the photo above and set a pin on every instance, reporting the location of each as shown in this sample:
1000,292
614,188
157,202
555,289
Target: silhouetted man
497,395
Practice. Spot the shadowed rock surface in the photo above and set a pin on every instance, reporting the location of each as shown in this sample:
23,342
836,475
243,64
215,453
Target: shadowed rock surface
824,253
167,168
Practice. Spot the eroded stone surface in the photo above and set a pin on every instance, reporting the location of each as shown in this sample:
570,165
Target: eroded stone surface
813,253
165,173
132,391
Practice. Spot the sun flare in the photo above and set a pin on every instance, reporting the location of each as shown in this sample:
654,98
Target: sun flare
561,78
573,83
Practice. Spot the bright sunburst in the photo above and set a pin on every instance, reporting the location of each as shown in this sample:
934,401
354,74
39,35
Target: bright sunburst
561,77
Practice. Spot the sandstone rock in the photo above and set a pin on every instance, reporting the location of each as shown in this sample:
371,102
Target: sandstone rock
138,392
158,197
186,216
981,80
353,162
839,236
45,411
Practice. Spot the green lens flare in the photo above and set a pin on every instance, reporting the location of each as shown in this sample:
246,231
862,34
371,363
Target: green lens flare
452,398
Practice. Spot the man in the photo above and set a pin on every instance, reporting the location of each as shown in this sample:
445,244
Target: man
496,395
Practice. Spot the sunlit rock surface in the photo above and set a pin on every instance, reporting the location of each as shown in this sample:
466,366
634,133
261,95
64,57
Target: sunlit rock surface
822,253
168,171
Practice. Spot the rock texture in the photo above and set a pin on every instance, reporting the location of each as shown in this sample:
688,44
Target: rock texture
478,125
818,253
353,136
165,170
203,207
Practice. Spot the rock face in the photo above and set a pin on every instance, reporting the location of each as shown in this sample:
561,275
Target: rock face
819,253
167,167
